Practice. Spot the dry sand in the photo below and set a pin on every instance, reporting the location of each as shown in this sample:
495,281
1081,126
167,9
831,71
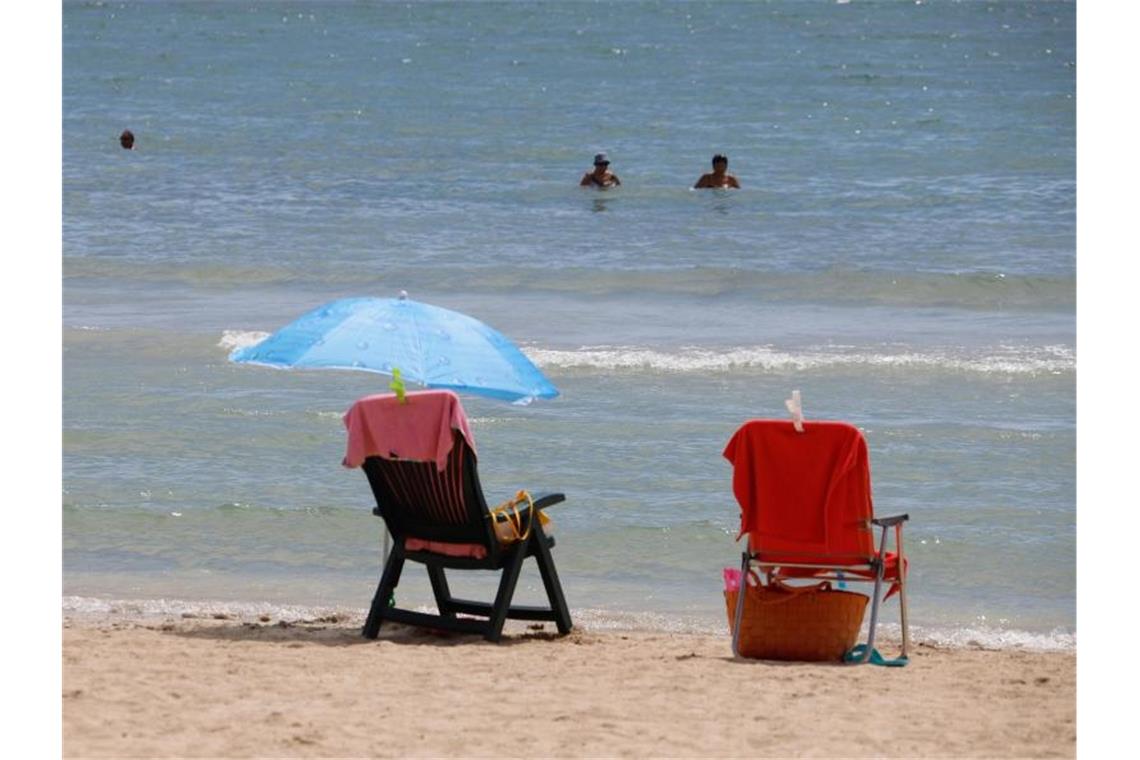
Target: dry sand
263,688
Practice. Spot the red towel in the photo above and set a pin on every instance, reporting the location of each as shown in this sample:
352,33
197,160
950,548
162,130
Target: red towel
419,430
804,497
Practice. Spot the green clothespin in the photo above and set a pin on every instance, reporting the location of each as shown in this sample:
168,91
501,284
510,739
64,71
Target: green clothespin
397,385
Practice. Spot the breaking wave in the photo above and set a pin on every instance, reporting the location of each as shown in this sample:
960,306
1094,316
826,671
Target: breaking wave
999,360
232,339
1040,360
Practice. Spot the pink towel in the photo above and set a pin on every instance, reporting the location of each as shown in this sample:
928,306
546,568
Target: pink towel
419,430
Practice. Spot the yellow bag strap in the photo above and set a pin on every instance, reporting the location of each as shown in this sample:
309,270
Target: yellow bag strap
510,510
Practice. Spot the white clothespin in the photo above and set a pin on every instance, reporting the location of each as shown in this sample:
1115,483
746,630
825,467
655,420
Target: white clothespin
797,411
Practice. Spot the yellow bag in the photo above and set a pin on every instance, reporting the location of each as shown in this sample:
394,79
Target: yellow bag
508,522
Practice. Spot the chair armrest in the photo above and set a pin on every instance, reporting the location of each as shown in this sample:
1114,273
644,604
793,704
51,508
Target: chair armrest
886,522
541,502
544,500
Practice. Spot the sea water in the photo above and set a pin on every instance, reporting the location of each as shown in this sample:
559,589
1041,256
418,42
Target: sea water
902,252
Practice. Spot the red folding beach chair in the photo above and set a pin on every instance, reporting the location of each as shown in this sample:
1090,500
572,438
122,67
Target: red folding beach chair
805,504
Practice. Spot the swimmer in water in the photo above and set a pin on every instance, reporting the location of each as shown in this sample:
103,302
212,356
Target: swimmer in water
719,176
601,177
127,139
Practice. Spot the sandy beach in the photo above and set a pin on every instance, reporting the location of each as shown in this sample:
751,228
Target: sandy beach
258,687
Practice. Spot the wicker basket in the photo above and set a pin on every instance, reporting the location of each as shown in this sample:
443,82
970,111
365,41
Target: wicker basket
797,623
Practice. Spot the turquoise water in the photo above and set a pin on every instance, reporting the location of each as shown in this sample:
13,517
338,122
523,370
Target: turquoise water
902,251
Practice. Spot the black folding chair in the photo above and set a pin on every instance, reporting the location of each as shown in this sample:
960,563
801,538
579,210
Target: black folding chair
444,518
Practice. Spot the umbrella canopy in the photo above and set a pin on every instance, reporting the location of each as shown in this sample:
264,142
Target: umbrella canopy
432,346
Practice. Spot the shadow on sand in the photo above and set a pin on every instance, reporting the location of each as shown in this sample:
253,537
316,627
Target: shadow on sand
339,632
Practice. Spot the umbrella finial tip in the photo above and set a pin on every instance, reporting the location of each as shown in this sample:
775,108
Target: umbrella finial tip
403,295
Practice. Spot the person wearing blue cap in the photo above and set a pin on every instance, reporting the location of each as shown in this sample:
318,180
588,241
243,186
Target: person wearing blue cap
601,177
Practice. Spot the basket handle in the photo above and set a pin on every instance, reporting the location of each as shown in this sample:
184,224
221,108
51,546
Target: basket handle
791,592
821,586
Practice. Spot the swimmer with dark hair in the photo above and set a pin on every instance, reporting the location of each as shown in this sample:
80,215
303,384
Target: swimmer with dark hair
719,176
127,140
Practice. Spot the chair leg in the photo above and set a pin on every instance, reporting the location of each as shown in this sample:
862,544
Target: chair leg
551,583
874,622
738,615
902,591
388,582
506,591
441,590
880,569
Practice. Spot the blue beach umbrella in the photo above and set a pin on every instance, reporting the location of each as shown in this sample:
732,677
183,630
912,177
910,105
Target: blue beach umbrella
429,345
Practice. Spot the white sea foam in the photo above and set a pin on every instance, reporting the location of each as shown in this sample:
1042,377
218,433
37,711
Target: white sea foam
1000,360
252,412
82,607
996,638
232,339
129,609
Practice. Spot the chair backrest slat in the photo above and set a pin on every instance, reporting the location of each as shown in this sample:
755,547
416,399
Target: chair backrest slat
416,499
